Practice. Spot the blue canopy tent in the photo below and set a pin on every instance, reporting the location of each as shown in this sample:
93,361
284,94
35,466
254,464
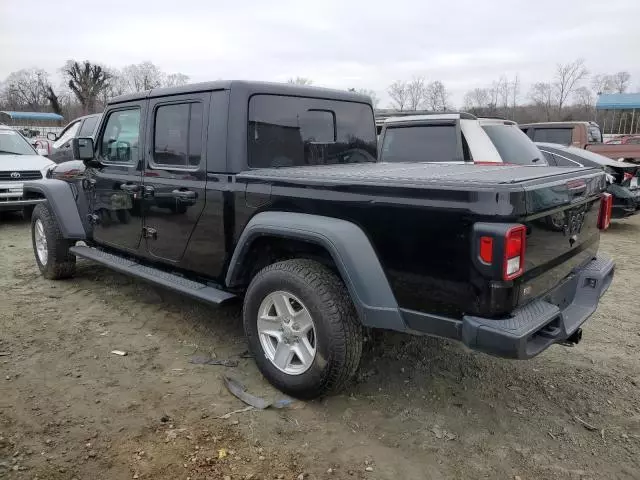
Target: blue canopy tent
32,123
32,116
624,103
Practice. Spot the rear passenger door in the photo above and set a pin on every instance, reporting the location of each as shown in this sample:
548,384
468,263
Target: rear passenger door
175,173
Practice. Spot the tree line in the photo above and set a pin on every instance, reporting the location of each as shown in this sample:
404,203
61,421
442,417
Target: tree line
85,88
570,94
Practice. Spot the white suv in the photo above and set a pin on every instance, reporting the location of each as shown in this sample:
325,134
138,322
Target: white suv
19,162
455,138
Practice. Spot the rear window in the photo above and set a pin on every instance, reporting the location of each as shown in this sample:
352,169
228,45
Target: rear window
562,136
513,145
424,143
294,131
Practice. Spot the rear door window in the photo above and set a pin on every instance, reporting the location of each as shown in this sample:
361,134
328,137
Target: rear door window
549,157
177,136
420,143
513,145
563,136
565,162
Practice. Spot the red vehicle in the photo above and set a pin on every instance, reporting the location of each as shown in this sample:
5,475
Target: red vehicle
624,140
585,135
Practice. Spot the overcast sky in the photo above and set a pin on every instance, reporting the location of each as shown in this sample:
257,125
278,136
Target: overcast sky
358,43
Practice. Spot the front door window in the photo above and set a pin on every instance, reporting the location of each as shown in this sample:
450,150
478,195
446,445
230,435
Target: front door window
121,136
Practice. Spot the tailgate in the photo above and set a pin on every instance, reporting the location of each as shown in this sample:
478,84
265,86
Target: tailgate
562,229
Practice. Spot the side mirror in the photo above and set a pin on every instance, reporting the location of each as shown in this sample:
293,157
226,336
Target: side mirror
82,148
52,136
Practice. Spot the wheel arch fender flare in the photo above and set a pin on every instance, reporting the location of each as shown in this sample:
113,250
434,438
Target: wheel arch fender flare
348,246
62,202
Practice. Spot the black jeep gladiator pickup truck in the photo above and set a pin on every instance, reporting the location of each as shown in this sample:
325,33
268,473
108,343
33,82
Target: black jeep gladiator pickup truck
273,194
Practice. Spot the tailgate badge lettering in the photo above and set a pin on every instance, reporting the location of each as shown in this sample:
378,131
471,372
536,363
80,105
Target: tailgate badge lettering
573,225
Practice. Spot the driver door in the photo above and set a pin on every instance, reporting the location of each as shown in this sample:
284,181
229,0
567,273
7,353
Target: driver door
117,182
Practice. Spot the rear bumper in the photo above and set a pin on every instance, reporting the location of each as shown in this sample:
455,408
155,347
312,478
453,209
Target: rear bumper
530,329
543,322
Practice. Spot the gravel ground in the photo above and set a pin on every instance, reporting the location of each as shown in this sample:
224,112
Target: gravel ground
420,408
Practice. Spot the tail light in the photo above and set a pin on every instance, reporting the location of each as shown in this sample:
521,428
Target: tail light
604,217
514,247
486,250
499,249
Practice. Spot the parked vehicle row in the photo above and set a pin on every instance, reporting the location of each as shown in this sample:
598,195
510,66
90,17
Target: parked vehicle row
455,138
622,177
584,135
275,195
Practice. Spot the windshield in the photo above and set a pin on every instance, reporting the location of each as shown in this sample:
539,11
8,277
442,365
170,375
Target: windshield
422,143
514,146
11,142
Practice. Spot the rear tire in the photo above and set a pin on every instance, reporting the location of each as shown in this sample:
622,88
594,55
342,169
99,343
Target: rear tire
336,340
51,249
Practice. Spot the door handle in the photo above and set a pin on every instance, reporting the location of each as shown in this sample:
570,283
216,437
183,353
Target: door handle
148,191
130,187
184,194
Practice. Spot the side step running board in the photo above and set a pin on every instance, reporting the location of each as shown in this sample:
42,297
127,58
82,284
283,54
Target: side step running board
177,283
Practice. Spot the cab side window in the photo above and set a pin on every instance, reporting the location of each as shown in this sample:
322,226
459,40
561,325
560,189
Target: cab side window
120,139
177,136
67,135
88,127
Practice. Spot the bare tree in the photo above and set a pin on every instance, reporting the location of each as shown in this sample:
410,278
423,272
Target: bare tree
300,81
542,95
27,88
602,84
87,81
375,101
567,79
621,81
142,76
515,91
399,94
437,96
478,98
176,80
584,98
54,101
504,91
494,96
416,93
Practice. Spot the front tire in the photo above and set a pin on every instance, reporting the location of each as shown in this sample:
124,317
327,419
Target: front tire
27,212
302,328
49,246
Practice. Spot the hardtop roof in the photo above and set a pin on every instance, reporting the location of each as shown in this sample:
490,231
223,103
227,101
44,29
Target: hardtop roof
249,88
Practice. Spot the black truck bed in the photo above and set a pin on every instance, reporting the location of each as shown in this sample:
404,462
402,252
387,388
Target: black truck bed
507,191
417,175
